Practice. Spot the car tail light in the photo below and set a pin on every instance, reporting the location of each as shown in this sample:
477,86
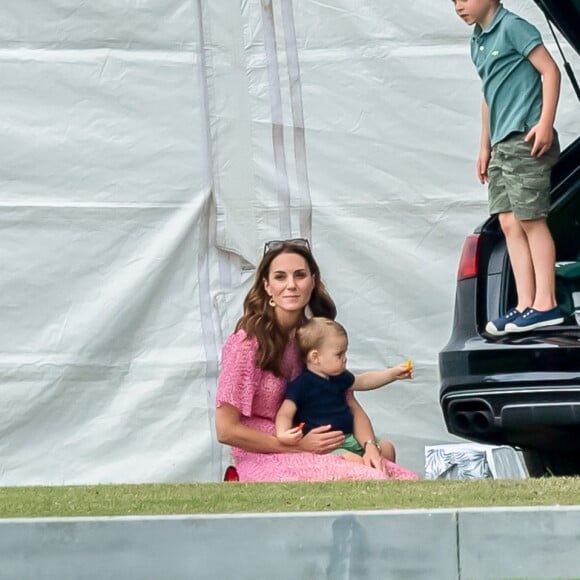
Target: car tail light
469,258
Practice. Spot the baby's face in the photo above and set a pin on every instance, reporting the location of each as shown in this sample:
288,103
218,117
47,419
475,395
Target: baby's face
332,354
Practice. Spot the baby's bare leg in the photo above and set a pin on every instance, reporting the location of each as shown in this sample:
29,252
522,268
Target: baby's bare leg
350,456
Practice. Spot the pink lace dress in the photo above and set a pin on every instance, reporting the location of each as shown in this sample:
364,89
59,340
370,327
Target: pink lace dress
258,394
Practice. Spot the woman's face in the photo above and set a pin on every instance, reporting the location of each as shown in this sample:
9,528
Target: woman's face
290,282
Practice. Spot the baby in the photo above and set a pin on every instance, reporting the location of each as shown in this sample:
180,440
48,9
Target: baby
322,393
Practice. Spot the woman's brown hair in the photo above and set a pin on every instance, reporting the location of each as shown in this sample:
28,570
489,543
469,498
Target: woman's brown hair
259,319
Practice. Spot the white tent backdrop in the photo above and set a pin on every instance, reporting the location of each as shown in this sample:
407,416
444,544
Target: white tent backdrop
148,151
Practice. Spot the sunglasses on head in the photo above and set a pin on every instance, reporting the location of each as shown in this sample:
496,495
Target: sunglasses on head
275,244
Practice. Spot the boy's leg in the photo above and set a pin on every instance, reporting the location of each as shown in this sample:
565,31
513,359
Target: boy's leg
350,456
350,449
520,258
530,199
543,257
501,182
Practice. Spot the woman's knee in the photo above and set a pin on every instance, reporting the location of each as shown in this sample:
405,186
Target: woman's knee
388,450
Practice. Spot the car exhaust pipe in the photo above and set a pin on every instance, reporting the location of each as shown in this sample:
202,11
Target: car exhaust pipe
480,421
462,421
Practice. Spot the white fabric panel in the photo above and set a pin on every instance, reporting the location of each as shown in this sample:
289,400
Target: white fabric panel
149,149
104,191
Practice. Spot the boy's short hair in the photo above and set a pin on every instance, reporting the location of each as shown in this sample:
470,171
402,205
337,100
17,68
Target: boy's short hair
311,335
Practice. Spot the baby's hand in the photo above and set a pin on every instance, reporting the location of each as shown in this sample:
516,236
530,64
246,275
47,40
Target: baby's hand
404,370
291,436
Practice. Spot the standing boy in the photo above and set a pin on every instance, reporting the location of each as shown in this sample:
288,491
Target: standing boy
521,86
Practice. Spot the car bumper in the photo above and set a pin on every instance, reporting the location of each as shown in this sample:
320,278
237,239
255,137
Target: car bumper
525,395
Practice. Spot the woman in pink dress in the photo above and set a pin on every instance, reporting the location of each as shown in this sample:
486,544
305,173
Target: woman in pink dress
257,361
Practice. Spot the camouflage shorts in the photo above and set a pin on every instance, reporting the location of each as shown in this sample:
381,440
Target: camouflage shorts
518,182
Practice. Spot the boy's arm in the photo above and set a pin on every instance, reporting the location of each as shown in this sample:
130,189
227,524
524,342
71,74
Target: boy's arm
371,380
364,433
285,433
543,133
484,145
285,416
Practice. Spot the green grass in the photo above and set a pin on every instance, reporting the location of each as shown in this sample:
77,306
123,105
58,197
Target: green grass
214,498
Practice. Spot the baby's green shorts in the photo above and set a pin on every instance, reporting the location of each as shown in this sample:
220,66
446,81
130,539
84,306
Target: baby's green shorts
350,444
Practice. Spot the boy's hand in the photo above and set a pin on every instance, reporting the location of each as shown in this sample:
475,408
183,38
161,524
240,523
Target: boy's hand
290,436
403,371
483,164
542,138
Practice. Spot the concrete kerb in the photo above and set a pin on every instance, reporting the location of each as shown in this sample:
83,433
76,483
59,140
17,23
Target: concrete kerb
435,544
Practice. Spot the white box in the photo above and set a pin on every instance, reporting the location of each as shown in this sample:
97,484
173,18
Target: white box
473,461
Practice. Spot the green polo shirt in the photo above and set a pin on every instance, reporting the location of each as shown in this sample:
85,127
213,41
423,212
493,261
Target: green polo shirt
512,87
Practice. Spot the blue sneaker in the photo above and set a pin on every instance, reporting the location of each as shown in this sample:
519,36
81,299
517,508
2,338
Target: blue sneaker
497,327
531,319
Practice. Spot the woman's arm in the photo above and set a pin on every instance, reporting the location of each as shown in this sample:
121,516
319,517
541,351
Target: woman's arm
364,433
231,431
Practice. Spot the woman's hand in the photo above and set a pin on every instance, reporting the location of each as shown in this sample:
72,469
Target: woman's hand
321,440
372,458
